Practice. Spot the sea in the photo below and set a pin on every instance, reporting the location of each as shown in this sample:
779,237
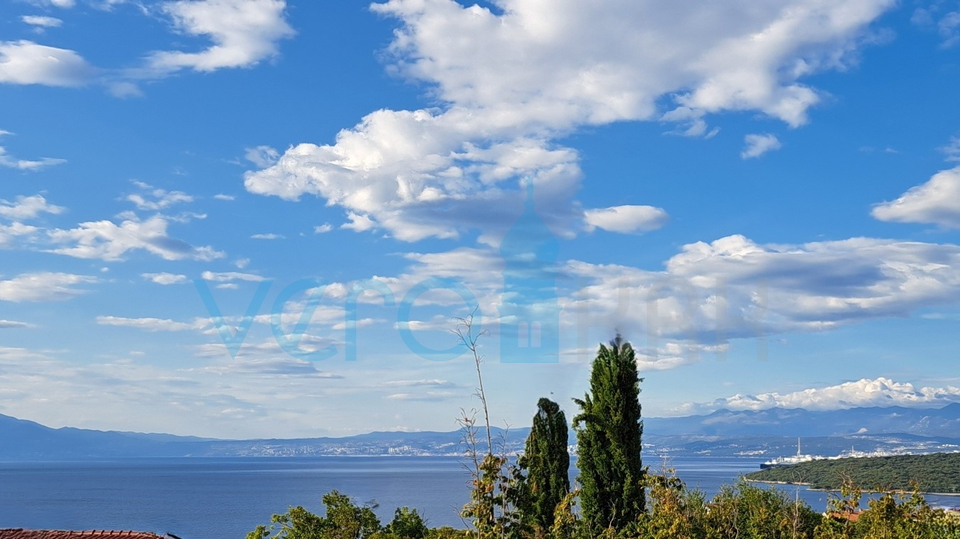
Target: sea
225,498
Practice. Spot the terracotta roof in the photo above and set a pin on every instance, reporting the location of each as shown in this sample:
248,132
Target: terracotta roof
20,533
845,515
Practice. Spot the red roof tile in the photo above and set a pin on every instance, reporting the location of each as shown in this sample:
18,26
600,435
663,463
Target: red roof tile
19,533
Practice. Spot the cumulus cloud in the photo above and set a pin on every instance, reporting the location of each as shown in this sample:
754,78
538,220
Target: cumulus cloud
43,287
24,207
626,219
425,173
16,230
757,145
735,288
26,62
861,393
165,278
268,236
243,32
322,229
106,240
934,202
611,60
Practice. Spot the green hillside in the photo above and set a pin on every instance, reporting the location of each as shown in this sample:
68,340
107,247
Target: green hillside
939,472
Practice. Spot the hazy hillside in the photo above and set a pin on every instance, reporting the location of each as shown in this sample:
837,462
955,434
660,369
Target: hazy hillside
762,434
941,422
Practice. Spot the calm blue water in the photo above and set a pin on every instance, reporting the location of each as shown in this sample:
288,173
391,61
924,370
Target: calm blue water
226,498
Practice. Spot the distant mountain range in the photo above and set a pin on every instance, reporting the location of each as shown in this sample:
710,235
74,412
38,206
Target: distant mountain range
737,433
939,422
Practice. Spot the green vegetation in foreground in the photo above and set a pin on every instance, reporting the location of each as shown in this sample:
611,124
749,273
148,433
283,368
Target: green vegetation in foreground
617,497
939,472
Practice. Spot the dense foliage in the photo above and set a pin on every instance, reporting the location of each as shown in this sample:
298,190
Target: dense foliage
608,439
545,465
739,511
618,499
346,520
939,472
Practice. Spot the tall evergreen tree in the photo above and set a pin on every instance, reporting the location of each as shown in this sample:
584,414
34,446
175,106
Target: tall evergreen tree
547,463
609,430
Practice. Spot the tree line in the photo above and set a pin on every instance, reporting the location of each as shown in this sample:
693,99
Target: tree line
938,472
615,497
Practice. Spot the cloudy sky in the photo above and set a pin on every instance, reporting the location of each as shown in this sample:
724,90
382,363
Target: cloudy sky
763,197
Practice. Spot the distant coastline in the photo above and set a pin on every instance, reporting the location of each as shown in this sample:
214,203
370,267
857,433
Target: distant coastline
935,473
807,485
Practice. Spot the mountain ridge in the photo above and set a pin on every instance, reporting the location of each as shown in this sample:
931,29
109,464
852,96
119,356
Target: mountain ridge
760,432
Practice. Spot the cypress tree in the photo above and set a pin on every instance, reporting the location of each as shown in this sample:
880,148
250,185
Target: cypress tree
609,430
547,464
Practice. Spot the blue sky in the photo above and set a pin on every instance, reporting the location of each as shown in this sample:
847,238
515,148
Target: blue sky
764,199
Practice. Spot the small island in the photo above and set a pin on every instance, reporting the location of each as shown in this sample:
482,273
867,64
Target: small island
934,473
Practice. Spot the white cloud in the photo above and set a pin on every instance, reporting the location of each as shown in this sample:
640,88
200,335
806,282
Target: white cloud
269,236
41,21
934,202
229,399
734,288
757,145
861,393
223,197
23,164
106,240
323,229
26,62
611,60
6,160
230,276
359,223
243,32
124,89
270,367
426,396
157,199
418,383
27,208
165,278
417,174
65,4
626,219
15,230
262,156
937,16
154,324
952,150
43,287
12,324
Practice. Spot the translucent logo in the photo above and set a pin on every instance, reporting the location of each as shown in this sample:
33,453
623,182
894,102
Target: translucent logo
529,310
